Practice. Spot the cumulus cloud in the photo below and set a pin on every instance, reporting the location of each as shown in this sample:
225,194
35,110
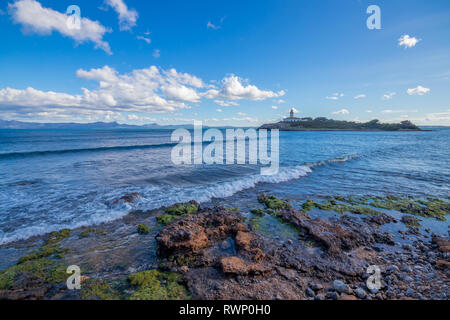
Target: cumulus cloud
226,103
234,88
419,90
342,111
335,96
274,107
36,19
407,41
127,17
388,96
219,110
360,96
144,91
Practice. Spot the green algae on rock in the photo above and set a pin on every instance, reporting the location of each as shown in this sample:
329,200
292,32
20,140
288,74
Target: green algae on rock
430,208
143,229
176,212
43,263
273,202
94,289
156,285
88,231
258,212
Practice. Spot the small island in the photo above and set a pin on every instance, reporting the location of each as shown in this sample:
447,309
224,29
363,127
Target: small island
292,123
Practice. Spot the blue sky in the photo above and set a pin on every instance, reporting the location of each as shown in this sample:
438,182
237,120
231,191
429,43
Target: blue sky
225,62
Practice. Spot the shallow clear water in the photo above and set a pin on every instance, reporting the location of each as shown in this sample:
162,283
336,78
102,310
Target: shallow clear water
53,179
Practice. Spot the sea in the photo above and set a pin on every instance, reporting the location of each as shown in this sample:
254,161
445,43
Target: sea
54,179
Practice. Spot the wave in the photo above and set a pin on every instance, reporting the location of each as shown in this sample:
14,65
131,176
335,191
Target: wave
26,154
156,197
97,149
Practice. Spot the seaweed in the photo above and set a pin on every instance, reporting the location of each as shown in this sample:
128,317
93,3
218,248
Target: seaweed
156,285
176,212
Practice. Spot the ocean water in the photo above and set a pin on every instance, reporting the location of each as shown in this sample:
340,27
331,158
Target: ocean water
53,179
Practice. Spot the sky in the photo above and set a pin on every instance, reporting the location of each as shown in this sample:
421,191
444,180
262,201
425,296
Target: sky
239,63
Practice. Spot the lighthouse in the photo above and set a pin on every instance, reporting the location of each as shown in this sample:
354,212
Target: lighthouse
291,117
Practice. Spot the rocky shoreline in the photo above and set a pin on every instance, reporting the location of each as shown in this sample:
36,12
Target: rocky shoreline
188,251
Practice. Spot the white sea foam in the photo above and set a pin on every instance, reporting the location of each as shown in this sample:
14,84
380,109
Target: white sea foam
97,211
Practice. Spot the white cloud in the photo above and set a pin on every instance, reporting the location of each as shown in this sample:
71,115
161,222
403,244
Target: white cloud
360,96
148,40
342,111
335,96
143,91
127,17
219,110
274,107
156,53
407,41
234,89
212,26
388,96
419,90
369,111
226,103
36,19
280,101
241,114
397,111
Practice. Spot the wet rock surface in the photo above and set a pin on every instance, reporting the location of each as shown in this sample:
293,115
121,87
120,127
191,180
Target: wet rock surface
190,251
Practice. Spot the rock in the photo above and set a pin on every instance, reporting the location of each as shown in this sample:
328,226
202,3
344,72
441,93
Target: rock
341,287
26,287
406,268
309,292
360,293
347,297
184,269
443,264
392,268
332,295
443,244
128,198
317,287
373,291
410,292
233,265
243,240
194,232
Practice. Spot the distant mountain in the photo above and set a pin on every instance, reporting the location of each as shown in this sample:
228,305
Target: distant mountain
5,124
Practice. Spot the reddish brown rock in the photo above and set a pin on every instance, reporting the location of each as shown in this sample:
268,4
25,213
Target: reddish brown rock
443,244
347,297
243,240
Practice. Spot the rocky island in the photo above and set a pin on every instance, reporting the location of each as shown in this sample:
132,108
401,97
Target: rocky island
292,123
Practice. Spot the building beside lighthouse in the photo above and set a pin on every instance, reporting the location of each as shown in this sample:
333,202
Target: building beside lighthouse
292,118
